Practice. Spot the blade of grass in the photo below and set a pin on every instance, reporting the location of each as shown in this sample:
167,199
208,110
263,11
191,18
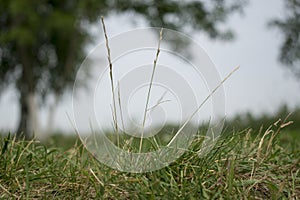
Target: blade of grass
120,106
111,81
203,102
149,90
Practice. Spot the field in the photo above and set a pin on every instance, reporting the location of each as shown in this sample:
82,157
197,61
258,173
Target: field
247,164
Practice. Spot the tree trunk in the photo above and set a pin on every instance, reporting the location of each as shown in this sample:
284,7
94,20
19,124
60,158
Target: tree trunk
52,110
28,124
24,117
33,114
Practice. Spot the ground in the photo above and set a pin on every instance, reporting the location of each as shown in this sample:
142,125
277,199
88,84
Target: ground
242,165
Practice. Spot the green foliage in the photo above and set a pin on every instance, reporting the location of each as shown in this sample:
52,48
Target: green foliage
178,15
290,137
248,120
53,33
290,27
238,167
42,41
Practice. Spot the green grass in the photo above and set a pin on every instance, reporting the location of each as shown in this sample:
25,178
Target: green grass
242,165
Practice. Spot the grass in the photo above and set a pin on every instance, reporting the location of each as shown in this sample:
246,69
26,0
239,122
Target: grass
242,165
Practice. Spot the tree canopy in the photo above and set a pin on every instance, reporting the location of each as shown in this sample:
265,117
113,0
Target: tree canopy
290,27
42,41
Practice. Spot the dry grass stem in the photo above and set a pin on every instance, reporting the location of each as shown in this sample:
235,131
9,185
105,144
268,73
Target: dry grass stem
149,90
203,102
111,81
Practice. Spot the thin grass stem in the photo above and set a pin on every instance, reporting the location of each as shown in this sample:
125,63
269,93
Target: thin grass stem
149,90
203,102
111,81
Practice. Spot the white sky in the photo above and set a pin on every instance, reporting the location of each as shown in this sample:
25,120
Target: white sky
261,85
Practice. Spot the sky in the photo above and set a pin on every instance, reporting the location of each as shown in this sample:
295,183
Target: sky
261,84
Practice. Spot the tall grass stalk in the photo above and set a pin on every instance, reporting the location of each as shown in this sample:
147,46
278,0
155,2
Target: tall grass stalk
149,89
114,109
203,102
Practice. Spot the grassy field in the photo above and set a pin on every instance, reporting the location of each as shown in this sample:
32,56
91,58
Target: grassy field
242,165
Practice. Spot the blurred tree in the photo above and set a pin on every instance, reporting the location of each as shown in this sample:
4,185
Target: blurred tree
42,41
290,27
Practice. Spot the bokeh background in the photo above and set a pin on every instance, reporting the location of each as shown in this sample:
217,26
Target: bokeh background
264,85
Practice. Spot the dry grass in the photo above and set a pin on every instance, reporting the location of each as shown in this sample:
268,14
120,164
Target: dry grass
240,166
